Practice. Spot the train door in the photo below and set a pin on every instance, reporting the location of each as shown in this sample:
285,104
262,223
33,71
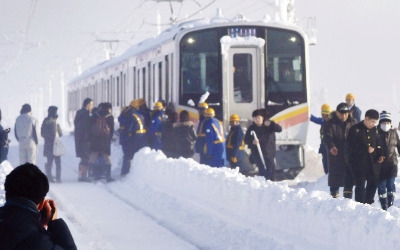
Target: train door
243,83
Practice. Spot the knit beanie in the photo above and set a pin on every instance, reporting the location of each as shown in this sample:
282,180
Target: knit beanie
385,117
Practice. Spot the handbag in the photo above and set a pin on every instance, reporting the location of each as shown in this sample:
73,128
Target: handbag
58,147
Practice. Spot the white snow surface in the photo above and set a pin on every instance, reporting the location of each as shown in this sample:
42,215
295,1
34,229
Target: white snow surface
180,204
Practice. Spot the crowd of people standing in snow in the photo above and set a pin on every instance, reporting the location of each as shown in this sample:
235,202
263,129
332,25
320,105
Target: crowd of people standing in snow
359,153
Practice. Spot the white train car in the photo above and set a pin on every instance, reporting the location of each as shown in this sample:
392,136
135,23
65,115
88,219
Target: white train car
240,65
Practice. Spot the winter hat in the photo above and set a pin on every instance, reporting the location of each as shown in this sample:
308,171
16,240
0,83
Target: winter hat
26,108
385,117
326,109
52,111
342,108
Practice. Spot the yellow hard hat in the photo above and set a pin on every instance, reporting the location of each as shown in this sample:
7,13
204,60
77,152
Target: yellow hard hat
350,96
326,109
234,118
158,106
134,104
203,105
210,112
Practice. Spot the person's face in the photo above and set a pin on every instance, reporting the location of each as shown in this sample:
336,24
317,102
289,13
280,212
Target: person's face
349,102
258,120
90,106
325,117
370,123
342,116
201,111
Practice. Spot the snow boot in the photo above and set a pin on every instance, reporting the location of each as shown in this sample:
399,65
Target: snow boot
390,199
384,202
108,173
348,194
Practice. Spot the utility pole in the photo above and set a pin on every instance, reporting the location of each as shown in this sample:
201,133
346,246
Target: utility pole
109,51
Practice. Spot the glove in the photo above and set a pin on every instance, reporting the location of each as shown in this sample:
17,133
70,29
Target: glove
234,159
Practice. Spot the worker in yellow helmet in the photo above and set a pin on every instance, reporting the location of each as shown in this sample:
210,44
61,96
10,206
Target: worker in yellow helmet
155,129
326,115
199,144
354,110
235,143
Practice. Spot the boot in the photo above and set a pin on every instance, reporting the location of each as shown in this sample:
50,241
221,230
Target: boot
348,194
390,199
83,172
108,173
384,202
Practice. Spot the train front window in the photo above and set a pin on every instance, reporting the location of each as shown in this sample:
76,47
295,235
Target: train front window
285,73
199,63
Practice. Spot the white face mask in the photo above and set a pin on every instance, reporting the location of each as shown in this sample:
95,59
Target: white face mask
385,127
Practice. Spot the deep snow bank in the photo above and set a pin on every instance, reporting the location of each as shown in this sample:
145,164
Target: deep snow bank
220,208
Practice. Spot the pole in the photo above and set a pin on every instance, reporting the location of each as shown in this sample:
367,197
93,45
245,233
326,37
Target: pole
259,149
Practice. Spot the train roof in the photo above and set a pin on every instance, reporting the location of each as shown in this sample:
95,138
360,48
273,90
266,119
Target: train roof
170,34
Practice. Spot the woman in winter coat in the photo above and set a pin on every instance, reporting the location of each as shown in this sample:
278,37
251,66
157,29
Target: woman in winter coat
49,130
389,141
185,135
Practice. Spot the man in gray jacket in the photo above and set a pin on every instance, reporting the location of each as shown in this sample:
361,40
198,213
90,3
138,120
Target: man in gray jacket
26,133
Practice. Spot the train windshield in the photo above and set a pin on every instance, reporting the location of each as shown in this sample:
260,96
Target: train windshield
284,74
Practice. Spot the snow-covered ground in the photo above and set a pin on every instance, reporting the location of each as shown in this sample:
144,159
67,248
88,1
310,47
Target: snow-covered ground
179,204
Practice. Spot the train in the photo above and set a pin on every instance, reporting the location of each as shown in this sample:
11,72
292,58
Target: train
235,65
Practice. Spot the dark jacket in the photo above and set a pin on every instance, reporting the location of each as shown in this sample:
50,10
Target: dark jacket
356,112
335,135
235,145
185,136
20,228
389,141
101,144
266,137
360,138
82,127
48,131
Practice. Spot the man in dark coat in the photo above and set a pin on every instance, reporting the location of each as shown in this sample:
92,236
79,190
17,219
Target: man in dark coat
265,131
27,220
364,156
49,130
185,136
335,141
82,124
389,141
100,142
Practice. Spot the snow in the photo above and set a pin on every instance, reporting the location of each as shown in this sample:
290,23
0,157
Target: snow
180,204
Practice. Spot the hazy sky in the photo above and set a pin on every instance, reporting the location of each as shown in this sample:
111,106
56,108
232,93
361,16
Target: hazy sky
43,43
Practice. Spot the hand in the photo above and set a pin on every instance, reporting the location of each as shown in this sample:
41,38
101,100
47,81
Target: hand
381,159
234,159
48,212
334,151
267,123
255,142
371,150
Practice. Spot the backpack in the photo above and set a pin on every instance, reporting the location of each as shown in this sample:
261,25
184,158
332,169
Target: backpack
100,127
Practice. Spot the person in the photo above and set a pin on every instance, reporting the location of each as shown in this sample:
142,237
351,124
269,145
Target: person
133,134
155,130
364,156
27,219
168,136
100,137
49,130
235,143
326,114
214,150
200,141
4,142
26,133
265,132
355,111
335,140
82,124
389,141
144,111
185,135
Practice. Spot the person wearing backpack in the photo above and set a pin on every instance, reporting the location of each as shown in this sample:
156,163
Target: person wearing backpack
49,130
101,134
